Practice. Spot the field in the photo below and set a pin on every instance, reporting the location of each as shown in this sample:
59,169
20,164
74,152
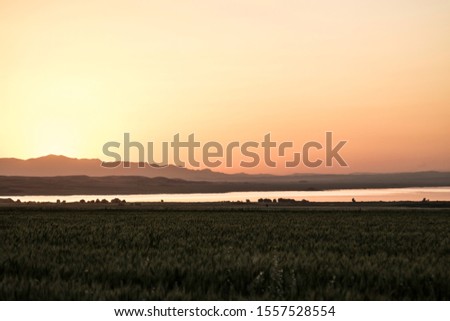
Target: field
255,253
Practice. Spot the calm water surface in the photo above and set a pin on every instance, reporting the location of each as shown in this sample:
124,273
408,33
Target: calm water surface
382,194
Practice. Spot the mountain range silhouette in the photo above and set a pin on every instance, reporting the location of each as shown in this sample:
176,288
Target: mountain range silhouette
69,176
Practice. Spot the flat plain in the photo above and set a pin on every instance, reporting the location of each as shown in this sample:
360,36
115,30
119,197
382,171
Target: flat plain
225,252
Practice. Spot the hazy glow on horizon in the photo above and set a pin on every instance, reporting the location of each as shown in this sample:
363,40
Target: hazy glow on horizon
76,74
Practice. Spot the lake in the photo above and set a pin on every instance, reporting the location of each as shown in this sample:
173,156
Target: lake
344,195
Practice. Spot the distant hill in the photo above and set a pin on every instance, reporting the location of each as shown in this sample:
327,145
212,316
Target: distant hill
59,175
53,165
112,185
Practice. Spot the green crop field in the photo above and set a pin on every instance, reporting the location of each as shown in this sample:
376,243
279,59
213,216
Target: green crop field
222,254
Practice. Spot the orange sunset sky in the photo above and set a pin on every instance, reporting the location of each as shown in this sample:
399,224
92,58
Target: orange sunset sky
77,74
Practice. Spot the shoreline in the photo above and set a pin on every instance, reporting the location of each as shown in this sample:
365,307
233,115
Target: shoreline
224,206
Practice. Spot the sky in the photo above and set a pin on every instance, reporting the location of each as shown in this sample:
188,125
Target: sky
77,74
